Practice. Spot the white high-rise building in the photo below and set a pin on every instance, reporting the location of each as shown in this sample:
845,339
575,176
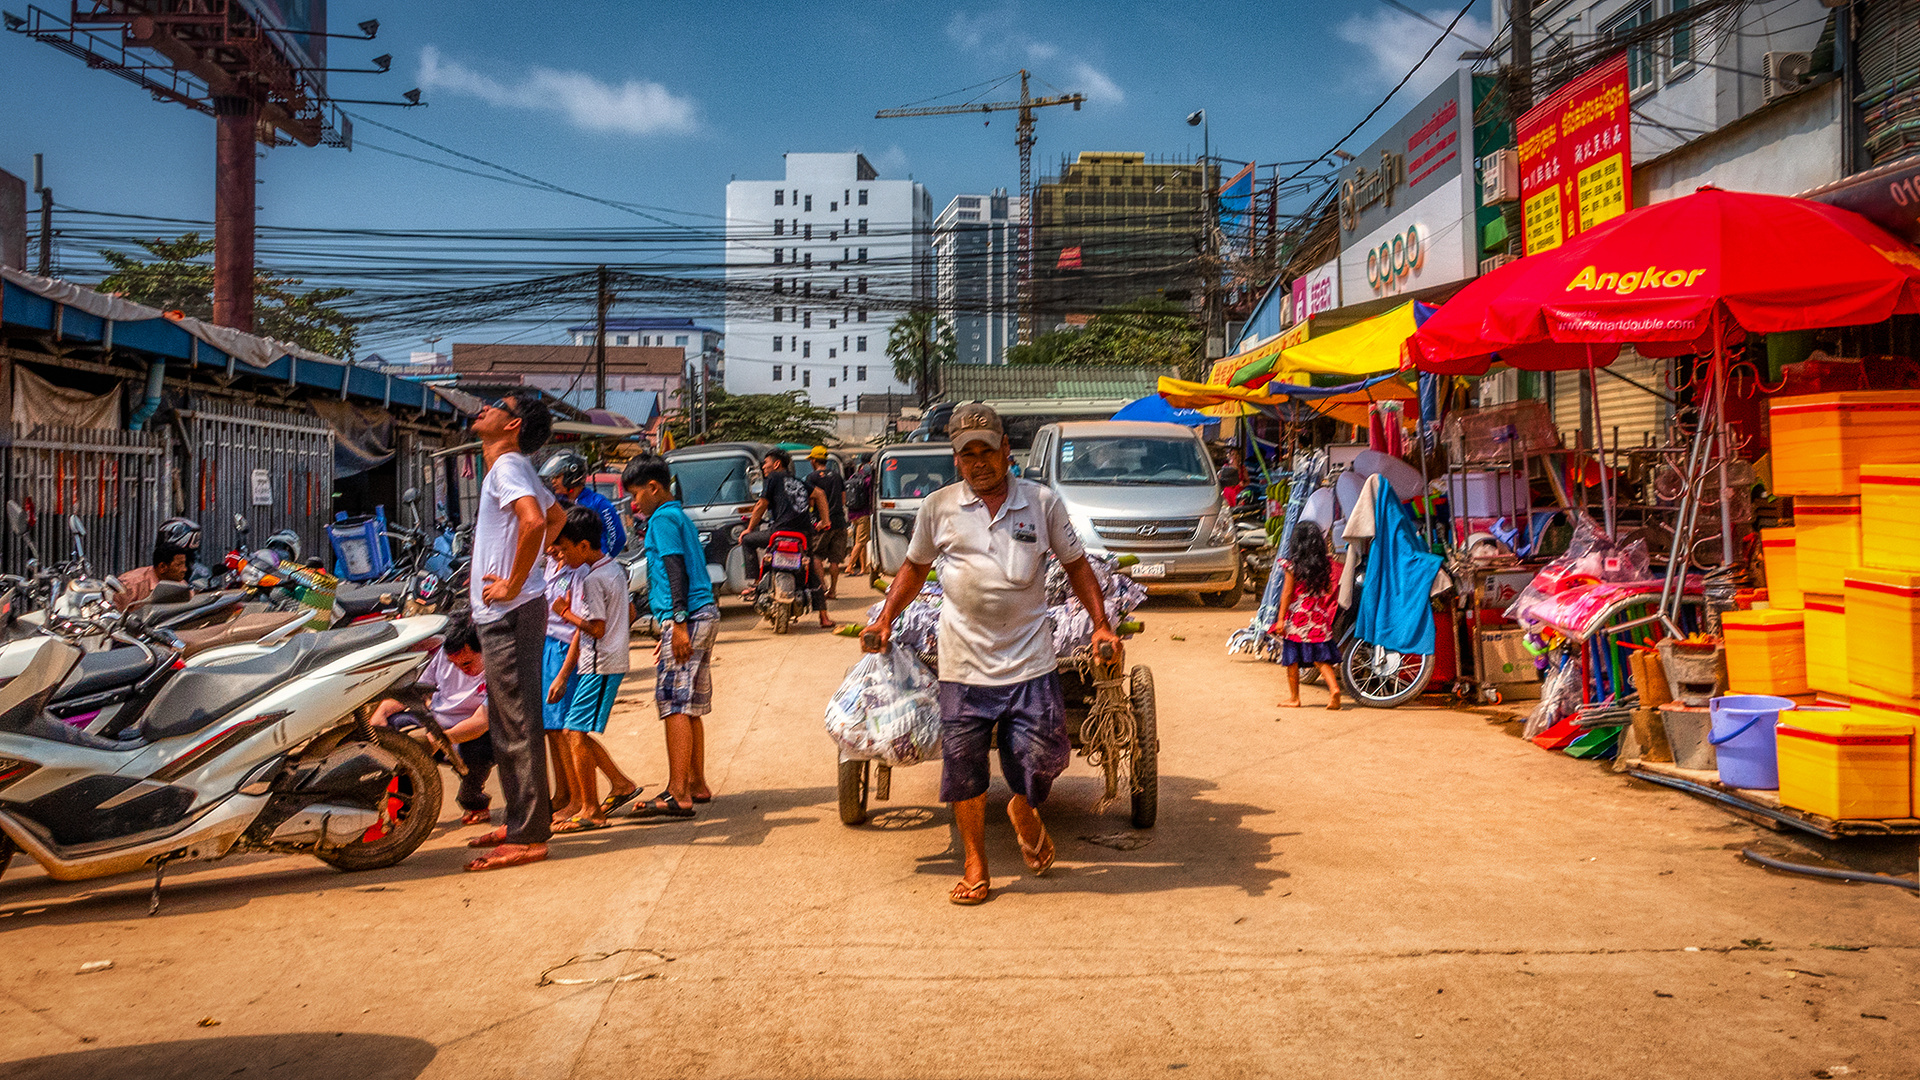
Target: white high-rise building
819,265
976,242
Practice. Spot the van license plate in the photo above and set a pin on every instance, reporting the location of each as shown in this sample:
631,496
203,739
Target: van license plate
1148,569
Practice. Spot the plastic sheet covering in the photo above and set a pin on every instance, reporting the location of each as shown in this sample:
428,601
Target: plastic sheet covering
1559,595
362,434
886,710
1559,697
37,401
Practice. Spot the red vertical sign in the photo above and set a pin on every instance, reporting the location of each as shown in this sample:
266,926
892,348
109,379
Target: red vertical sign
1576,157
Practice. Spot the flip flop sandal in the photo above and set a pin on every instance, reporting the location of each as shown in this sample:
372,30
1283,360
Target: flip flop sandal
579,824
500,861
613,804
476,817
969,893
1039,858
493,838
672,809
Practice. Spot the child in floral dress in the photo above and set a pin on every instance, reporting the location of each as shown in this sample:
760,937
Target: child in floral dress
1308,603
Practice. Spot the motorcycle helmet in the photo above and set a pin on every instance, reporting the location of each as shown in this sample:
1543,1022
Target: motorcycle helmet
567,467
287,543
179,533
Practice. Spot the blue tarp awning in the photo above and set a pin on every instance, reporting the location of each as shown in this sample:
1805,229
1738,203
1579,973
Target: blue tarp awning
1155,408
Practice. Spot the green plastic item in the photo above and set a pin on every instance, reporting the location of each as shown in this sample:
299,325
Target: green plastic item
1131,627
1125,561
1594,743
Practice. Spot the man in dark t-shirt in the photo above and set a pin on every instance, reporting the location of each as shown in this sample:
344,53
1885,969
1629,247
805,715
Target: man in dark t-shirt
832,486
786,504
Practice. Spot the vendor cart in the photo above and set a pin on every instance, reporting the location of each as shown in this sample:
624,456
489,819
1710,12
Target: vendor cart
1111,721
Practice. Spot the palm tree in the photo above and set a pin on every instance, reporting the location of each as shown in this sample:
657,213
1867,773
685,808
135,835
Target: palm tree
918,344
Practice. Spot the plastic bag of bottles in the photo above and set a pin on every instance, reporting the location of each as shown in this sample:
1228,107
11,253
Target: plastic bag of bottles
886,710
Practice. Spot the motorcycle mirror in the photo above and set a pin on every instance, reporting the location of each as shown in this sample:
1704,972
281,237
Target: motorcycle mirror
16,518
75,526
241,525
114,588
411,495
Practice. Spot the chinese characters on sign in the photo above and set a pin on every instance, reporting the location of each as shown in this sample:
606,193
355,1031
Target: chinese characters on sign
1576,157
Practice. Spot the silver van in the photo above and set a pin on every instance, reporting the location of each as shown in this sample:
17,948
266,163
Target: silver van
719,483
903,476
1146,490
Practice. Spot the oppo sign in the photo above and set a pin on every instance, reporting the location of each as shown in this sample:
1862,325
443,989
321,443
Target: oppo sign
1396,258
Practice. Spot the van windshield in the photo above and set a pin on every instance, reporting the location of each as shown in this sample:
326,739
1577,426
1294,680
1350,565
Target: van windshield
711,481
915,476
1133,459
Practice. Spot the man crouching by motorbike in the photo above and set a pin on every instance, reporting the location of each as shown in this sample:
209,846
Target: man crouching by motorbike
457,703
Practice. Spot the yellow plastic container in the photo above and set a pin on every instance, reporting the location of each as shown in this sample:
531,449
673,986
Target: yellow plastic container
1821,440
1826,630
1844,766
1826,537
1880,709
1883,631
1778,547
1766,651
1889,517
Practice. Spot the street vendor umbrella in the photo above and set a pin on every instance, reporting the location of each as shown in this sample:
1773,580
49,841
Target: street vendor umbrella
1453,340
1156,408
1365,348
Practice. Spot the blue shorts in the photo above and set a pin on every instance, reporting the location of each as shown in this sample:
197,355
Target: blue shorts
593,702
553,714
1033,737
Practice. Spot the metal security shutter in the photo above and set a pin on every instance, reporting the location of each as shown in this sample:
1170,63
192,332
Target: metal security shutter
1638,417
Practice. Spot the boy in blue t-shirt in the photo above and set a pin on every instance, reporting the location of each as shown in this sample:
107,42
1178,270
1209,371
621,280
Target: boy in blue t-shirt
681,600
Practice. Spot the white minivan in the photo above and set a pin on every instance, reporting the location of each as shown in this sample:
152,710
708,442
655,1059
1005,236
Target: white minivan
903,476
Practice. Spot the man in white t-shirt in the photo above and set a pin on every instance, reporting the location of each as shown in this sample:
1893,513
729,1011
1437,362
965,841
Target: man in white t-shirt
991,535
457,704
518,517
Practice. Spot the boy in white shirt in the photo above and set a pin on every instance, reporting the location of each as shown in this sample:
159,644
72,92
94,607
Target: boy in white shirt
597,609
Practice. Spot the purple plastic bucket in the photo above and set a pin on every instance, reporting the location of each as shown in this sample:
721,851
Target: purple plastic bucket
1743,739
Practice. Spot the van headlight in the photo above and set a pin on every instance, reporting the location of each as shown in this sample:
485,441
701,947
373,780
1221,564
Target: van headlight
1223,527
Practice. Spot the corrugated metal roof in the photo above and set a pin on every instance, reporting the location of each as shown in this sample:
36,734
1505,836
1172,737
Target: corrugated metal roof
1027,382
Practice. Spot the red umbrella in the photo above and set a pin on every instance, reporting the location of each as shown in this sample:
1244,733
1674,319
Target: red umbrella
1662,274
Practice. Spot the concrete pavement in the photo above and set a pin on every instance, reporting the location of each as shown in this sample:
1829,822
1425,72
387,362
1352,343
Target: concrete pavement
1415,893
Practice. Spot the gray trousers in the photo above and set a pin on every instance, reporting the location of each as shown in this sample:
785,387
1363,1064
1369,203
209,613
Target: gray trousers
510,651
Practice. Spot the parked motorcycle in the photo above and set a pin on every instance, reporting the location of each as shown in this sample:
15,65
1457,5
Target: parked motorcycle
786,580
270,749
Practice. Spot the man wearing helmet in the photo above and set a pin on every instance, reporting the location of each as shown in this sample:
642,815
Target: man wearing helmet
566,473
173,551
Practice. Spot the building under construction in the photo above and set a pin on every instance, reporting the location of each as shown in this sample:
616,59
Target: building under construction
1111,228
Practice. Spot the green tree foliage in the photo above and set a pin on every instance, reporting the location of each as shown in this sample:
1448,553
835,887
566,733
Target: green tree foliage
1147,331
178,277
766,418
918,344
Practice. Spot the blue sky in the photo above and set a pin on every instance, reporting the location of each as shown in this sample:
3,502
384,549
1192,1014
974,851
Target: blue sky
662,103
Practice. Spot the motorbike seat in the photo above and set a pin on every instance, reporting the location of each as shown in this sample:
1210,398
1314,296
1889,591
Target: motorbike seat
367,599
239,631
46,727
185,610
198,696
108,669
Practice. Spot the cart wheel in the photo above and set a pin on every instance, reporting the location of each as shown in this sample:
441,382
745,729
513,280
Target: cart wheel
1463,689
853,792
1146,748
1492,696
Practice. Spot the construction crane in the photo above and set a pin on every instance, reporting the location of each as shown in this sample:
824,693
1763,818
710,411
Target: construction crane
1023,138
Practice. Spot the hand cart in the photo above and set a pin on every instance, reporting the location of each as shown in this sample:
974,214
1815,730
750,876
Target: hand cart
1111,719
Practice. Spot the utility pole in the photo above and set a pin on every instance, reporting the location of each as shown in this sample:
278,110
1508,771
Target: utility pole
236,128
1521,17
605,301
41,189
1216,340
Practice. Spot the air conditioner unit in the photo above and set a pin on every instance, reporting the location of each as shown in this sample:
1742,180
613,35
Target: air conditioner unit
1500,177
1494,262
1782,73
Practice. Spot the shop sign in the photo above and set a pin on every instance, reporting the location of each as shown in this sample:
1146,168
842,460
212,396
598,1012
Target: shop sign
1316,291
1889,197
1576,157
1420,154
1425,245
1394,259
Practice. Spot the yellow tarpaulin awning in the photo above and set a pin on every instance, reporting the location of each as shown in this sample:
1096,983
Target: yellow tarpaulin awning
1350,407
1182,394
1365,348
1257,364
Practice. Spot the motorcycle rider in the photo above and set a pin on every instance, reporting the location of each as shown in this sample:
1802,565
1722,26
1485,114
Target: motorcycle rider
173,551
566,474
788,505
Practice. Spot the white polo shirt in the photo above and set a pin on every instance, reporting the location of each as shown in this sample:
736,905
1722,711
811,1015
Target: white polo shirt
993,626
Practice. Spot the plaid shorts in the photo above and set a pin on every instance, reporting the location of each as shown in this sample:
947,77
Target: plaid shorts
687,689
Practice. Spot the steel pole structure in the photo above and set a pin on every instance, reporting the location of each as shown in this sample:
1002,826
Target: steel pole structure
236,121
603,300
1522,21
1024,139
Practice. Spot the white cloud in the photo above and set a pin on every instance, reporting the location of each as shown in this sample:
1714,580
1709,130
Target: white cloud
634,107
1394,41
891,162
1094,83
